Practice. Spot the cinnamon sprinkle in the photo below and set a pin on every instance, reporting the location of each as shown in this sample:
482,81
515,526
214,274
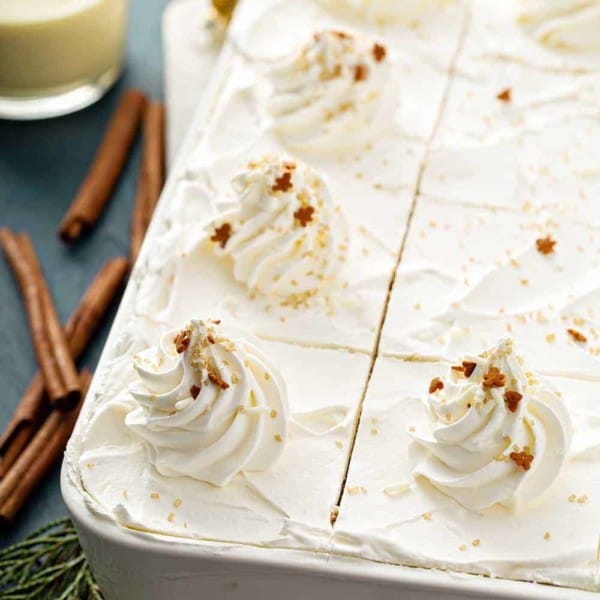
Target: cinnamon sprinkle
435,385
304,215
379,52
545,245
194,391
505,95
222,234
283,183
577,336
469,367
493,378
361,72
512,399
522,459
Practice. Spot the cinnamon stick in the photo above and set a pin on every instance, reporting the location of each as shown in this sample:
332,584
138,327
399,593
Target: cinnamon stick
21,428
79,330
35,463
94,303
151,177
111,156
54,372
56,335
153,151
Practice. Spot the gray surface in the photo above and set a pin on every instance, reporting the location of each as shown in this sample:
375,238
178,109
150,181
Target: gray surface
41,166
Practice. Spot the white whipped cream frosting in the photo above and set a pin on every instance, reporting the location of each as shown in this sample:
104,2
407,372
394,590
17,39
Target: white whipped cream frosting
386,11
476,437
209,407
332,92
567,25
287,237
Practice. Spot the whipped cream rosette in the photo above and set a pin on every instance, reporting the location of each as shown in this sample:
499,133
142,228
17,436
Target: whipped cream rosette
568,25
209,406
332,92
286,237
495,434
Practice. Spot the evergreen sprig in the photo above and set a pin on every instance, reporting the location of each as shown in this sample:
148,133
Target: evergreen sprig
49,563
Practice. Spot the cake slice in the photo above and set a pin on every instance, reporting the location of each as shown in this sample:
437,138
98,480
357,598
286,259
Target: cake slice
216,436
477,466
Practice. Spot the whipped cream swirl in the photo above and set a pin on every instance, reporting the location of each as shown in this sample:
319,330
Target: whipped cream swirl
331,93
568,25
209,407
495,434
287,238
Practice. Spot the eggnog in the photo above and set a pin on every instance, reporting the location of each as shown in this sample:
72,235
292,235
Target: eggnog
52,48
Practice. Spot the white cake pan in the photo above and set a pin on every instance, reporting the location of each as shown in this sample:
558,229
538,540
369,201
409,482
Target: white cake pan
129,565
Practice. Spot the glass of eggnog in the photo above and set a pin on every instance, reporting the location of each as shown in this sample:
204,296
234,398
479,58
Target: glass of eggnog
57,56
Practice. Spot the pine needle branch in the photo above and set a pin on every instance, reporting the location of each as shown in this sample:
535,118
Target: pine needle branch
49,563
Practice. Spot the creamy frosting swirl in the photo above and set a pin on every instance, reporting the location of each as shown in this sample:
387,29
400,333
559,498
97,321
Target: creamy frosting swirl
287,237
569,25
496,433
332,92
209,407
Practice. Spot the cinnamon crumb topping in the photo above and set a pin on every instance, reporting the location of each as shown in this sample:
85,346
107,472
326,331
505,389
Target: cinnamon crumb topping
379,52
333,515
283,183
577,336
505,95
304,215
194,391
458,368
215,377
435,385
222,234
512,399
545,245
182,341
493,378
522,459
342,35
361,72
468,367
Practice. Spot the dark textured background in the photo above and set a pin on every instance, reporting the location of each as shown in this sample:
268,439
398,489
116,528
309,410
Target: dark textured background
41,166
